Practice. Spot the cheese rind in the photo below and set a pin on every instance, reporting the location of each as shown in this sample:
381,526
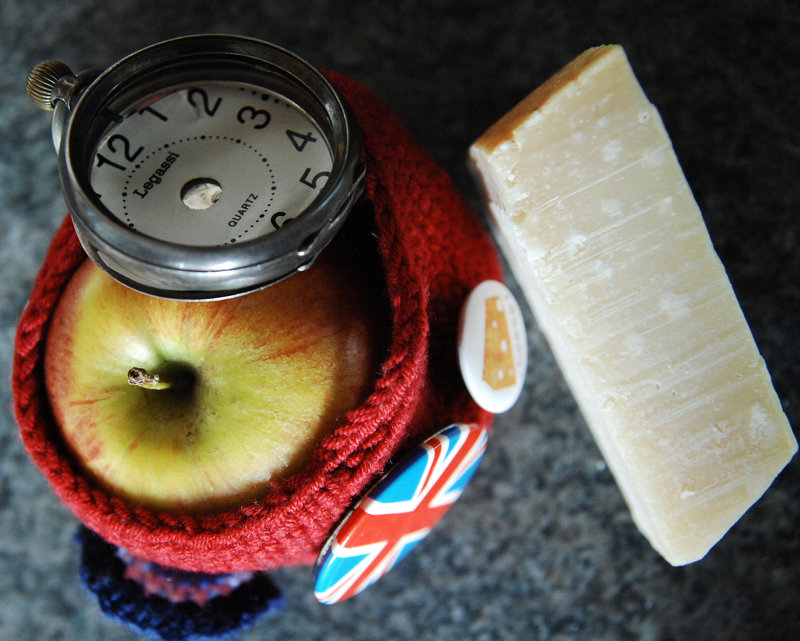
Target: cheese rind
606,240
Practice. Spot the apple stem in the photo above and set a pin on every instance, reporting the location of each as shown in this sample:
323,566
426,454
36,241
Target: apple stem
139,377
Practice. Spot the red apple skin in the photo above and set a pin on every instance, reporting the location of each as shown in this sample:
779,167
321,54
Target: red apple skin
261,378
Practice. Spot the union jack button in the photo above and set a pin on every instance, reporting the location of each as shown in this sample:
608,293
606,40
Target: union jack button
398,512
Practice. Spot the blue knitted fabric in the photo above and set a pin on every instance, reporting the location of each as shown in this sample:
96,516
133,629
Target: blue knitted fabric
103,572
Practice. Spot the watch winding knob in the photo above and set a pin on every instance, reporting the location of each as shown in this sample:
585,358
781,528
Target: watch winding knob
44,82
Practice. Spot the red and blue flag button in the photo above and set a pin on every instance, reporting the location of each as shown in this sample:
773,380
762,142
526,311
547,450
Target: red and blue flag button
398,512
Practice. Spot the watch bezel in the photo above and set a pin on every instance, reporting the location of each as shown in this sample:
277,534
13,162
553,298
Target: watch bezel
174,270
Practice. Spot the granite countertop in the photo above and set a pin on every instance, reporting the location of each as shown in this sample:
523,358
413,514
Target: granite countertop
541,546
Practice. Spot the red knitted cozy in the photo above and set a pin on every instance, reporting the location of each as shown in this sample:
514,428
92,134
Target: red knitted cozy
434,251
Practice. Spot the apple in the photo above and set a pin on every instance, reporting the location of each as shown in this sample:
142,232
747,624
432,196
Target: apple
195,407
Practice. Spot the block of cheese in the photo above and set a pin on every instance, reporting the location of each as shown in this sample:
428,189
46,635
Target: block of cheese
608,244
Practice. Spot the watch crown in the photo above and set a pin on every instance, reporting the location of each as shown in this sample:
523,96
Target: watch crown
43,82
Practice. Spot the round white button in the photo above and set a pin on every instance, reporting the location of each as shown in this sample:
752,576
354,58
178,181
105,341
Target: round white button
493,346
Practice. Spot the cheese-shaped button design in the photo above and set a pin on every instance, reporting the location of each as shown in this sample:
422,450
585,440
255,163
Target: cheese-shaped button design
398,512
492,346
609,246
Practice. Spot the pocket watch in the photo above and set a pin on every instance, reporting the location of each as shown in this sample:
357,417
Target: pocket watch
205,166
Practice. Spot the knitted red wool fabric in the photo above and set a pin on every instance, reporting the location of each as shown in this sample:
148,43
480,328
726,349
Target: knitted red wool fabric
434,251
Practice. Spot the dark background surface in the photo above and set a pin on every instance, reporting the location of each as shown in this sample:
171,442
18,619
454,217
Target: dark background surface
541,546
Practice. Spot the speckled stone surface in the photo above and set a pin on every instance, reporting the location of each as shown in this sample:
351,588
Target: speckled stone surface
541,546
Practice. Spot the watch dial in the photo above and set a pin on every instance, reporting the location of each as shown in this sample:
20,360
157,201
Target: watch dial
210,164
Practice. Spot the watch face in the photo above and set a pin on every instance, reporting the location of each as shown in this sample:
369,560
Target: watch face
210,164
205,166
